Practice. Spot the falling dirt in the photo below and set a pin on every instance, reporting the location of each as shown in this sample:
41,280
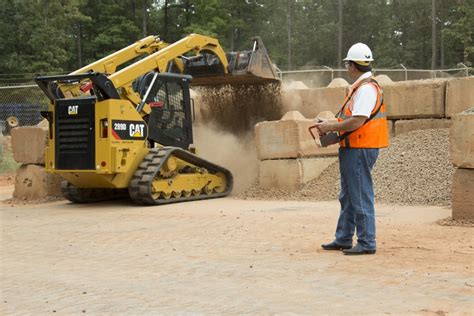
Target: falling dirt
237,109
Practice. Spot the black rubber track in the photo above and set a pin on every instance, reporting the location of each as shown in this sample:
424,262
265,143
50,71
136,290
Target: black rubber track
141,183
91,195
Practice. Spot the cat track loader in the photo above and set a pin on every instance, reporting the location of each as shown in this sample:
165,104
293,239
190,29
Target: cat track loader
128,133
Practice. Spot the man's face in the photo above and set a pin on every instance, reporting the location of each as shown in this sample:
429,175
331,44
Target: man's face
351,70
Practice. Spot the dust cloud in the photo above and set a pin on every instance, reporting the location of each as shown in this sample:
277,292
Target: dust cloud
224,126
291,100
236,153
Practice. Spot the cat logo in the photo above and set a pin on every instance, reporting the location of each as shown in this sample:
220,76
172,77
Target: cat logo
72,109
136,130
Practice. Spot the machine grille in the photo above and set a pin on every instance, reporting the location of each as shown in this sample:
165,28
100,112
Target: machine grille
73,135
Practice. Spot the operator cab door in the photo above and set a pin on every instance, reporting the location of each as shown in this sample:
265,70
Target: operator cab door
170,121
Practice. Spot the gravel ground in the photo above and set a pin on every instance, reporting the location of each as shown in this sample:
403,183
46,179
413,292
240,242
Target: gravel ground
415,170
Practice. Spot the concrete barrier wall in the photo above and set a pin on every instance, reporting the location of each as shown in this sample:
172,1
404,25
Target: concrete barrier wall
289,138
437,98
291,174
415,99
32,182
462,194
459,95
404,126
462,139
28,144
310,102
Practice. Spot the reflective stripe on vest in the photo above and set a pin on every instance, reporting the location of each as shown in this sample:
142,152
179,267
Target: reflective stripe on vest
373,133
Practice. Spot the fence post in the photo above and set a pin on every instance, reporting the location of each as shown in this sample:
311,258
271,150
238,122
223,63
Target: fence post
406,73
466,69
332,72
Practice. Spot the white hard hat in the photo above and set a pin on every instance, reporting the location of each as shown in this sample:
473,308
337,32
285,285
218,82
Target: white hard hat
359,53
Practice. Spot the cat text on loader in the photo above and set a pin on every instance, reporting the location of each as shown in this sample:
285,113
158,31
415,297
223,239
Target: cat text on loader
129,132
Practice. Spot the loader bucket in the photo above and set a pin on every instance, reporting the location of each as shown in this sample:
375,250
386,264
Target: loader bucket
245,68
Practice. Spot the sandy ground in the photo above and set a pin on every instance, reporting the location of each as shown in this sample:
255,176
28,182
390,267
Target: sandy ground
228,256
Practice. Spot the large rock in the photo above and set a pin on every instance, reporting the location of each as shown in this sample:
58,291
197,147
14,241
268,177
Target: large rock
462,194
32,182
28,144
310,102
291,174
462,139
289,138
415,99
459,95
403,126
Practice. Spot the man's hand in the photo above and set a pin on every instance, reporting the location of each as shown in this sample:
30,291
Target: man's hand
348,125
324,127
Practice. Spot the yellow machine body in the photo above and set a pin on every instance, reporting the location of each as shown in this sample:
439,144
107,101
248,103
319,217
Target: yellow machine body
131,129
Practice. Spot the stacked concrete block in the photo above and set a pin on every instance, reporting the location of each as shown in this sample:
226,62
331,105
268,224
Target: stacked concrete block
462,155
289,156
459,95
383,80
415,99
32,181
289,138
310,102
404,126
28,144
291,174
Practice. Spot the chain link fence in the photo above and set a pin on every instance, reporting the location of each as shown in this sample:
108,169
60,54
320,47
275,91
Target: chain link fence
316,78
22,101
20,105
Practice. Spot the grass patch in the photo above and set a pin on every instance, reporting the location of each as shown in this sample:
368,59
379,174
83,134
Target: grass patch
7,163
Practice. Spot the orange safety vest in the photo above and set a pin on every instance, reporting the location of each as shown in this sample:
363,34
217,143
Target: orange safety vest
374,132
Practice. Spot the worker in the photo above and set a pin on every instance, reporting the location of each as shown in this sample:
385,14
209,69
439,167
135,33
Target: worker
362,129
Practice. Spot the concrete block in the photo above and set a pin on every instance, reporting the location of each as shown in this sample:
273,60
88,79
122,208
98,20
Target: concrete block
403,126
462,194
32,182
462,139
289,138
383,80
28,144
391,128
338,82
310,102
291,174
415,99
459,95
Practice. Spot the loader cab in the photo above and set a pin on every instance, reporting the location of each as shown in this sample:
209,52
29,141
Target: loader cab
170,120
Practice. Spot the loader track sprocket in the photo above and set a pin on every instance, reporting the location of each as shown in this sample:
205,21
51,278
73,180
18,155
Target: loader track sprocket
153,169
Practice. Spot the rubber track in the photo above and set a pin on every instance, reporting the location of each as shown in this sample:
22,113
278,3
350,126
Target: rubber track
141,183
90,195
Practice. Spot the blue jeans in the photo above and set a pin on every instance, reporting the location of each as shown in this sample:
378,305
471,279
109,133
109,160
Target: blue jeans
356,197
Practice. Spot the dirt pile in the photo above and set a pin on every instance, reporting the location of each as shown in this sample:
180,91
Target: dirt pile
237,109
415,170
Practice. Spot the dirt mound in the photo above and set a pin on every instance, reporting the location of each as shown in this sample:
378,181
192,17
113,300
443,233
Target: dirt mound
237,109
415,170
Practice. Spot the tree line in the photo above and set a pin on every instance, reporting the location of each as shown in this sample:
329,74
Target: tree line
44,36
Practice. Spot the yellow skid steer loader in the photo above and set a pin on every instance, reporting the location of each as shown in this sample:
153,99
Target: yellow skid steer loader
117,133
